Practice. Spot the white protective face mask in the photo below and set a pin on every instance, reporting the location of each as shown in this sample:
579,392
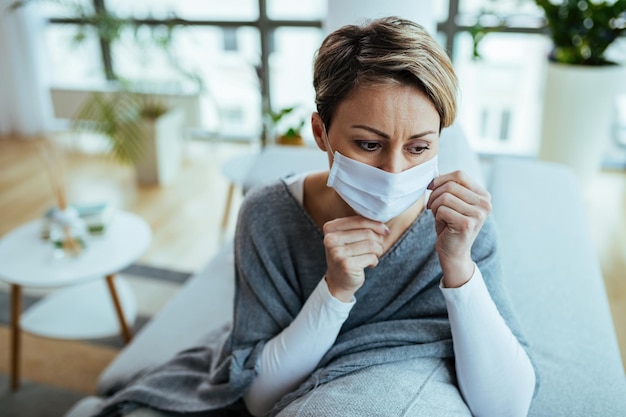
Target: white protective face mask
377,194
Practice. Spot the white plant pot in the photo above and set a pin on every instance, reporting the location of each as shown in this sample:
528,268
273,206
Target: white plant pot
162,153
577,113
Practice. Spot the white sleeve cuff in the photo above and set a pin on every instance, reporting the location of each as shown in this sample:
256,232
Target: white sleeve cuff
473,287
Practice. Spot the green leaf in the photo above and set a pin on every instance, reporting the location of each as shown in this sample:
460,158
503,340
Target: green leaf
119,117
582,30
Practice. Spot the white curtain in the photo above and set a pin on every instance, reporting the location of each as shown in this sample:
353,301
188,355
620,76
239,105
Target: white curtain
25,104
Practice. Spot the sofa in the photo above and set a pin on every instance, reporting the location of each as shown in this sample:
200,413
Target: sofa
550,267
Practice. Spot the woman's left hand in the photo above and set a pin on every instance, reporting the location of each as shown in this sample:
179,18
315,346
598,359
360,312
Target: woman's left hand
460,207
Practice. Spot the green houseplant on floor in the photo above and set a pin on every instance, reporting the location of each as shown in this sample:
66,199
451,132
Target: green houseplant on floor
142,130
580,81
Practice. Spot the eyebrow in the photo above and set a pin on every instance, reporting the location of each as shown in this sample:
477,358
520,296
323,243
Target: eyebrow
386,136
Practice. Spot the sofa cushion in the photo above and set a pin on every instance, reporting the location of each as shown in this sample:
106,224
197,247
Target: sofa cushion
556,288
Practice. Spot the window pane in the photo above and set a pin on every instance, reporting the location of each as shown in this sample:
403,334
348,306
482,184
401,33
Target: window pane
500,98
226,66
74,9
187,9
138,56
74,63
501,7
516,13
291,71
296,10
440,9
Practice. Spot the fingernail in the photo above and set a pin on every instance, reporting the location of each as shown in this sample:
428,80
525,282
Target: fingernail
387,231
430,185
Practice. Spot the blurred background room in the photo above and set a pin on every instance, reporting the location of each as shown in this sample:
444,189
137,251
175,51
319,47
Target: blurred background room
216,82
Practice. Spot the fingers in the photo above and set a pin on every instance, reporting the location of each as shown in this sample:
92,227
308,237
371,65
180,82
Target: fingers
355,223
352,244
459,177
366,249
463,226
355,237
459,192
460,207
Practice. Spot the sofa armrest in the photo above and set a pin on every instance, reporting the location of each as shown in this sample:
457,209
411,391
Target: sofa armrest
201,306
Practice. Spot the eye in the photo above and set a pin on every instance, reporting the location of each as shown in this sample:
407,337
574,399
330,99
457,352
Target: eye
368,146
417,149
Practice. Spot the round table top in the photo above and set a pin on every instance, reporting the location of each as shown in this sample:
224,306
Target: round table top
27,259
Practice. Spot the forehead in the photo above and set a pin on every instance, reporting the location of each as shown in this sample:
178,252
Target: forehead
385,104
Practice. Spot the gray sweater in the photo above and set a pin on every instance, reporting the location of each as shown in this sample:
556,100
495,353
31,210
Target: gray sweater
279,258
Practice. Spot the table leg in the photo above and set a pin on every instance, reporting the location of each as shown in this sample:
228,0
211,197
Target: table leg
126,333
16,309
229,201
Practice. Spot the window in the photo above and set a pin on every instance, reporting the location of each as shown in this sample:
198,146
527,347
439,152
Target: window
252,55
193,10
291,71
296,10
73,62
500,97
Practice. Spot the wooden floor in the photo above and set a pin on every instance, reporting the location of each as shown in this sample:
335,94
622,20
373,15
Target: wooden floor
185,216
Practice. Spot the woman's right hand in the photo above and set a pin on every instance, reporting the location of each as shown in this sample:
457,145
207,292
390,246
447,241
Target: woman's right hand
352,244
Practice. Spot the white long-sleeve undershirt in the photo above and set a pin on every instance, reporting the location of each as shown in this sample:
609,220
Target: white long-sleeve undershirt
493,370
291,356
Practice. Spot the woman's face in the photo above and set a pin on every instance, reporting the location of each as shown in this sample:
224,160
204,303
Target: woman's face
392,128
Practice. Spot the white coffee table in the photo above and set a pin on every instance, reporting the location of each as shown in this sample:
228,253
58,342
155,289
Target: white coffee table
80,308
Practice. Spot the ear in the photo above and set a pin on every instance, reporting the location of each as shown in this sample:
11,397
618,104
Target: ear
317,126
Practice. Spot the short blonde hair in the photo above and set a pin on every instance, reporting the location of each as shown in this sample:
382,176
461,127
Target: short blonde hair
389,50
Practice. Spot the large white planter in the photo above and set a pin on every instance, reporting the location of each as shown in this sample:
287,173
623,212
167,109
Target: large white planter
162,154
578,109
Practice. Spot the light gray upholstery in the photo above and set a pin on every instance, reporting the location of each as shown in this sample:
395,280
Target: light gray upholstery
552,276
417,388
556,285
200,307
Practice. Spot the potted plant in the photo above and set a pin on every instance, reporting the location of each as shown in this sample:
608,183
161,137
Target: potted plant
142,130
136,123
580,81
287,126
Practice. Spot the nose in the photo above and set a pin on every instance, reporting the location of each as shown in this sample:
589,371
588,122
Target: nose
394,162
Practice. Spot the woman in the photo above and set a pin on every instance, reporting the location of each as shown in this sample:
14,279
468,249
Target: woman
372,288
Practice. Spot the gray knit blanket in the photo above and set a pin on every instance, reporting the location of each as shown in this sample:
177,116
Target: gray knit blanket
400,313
